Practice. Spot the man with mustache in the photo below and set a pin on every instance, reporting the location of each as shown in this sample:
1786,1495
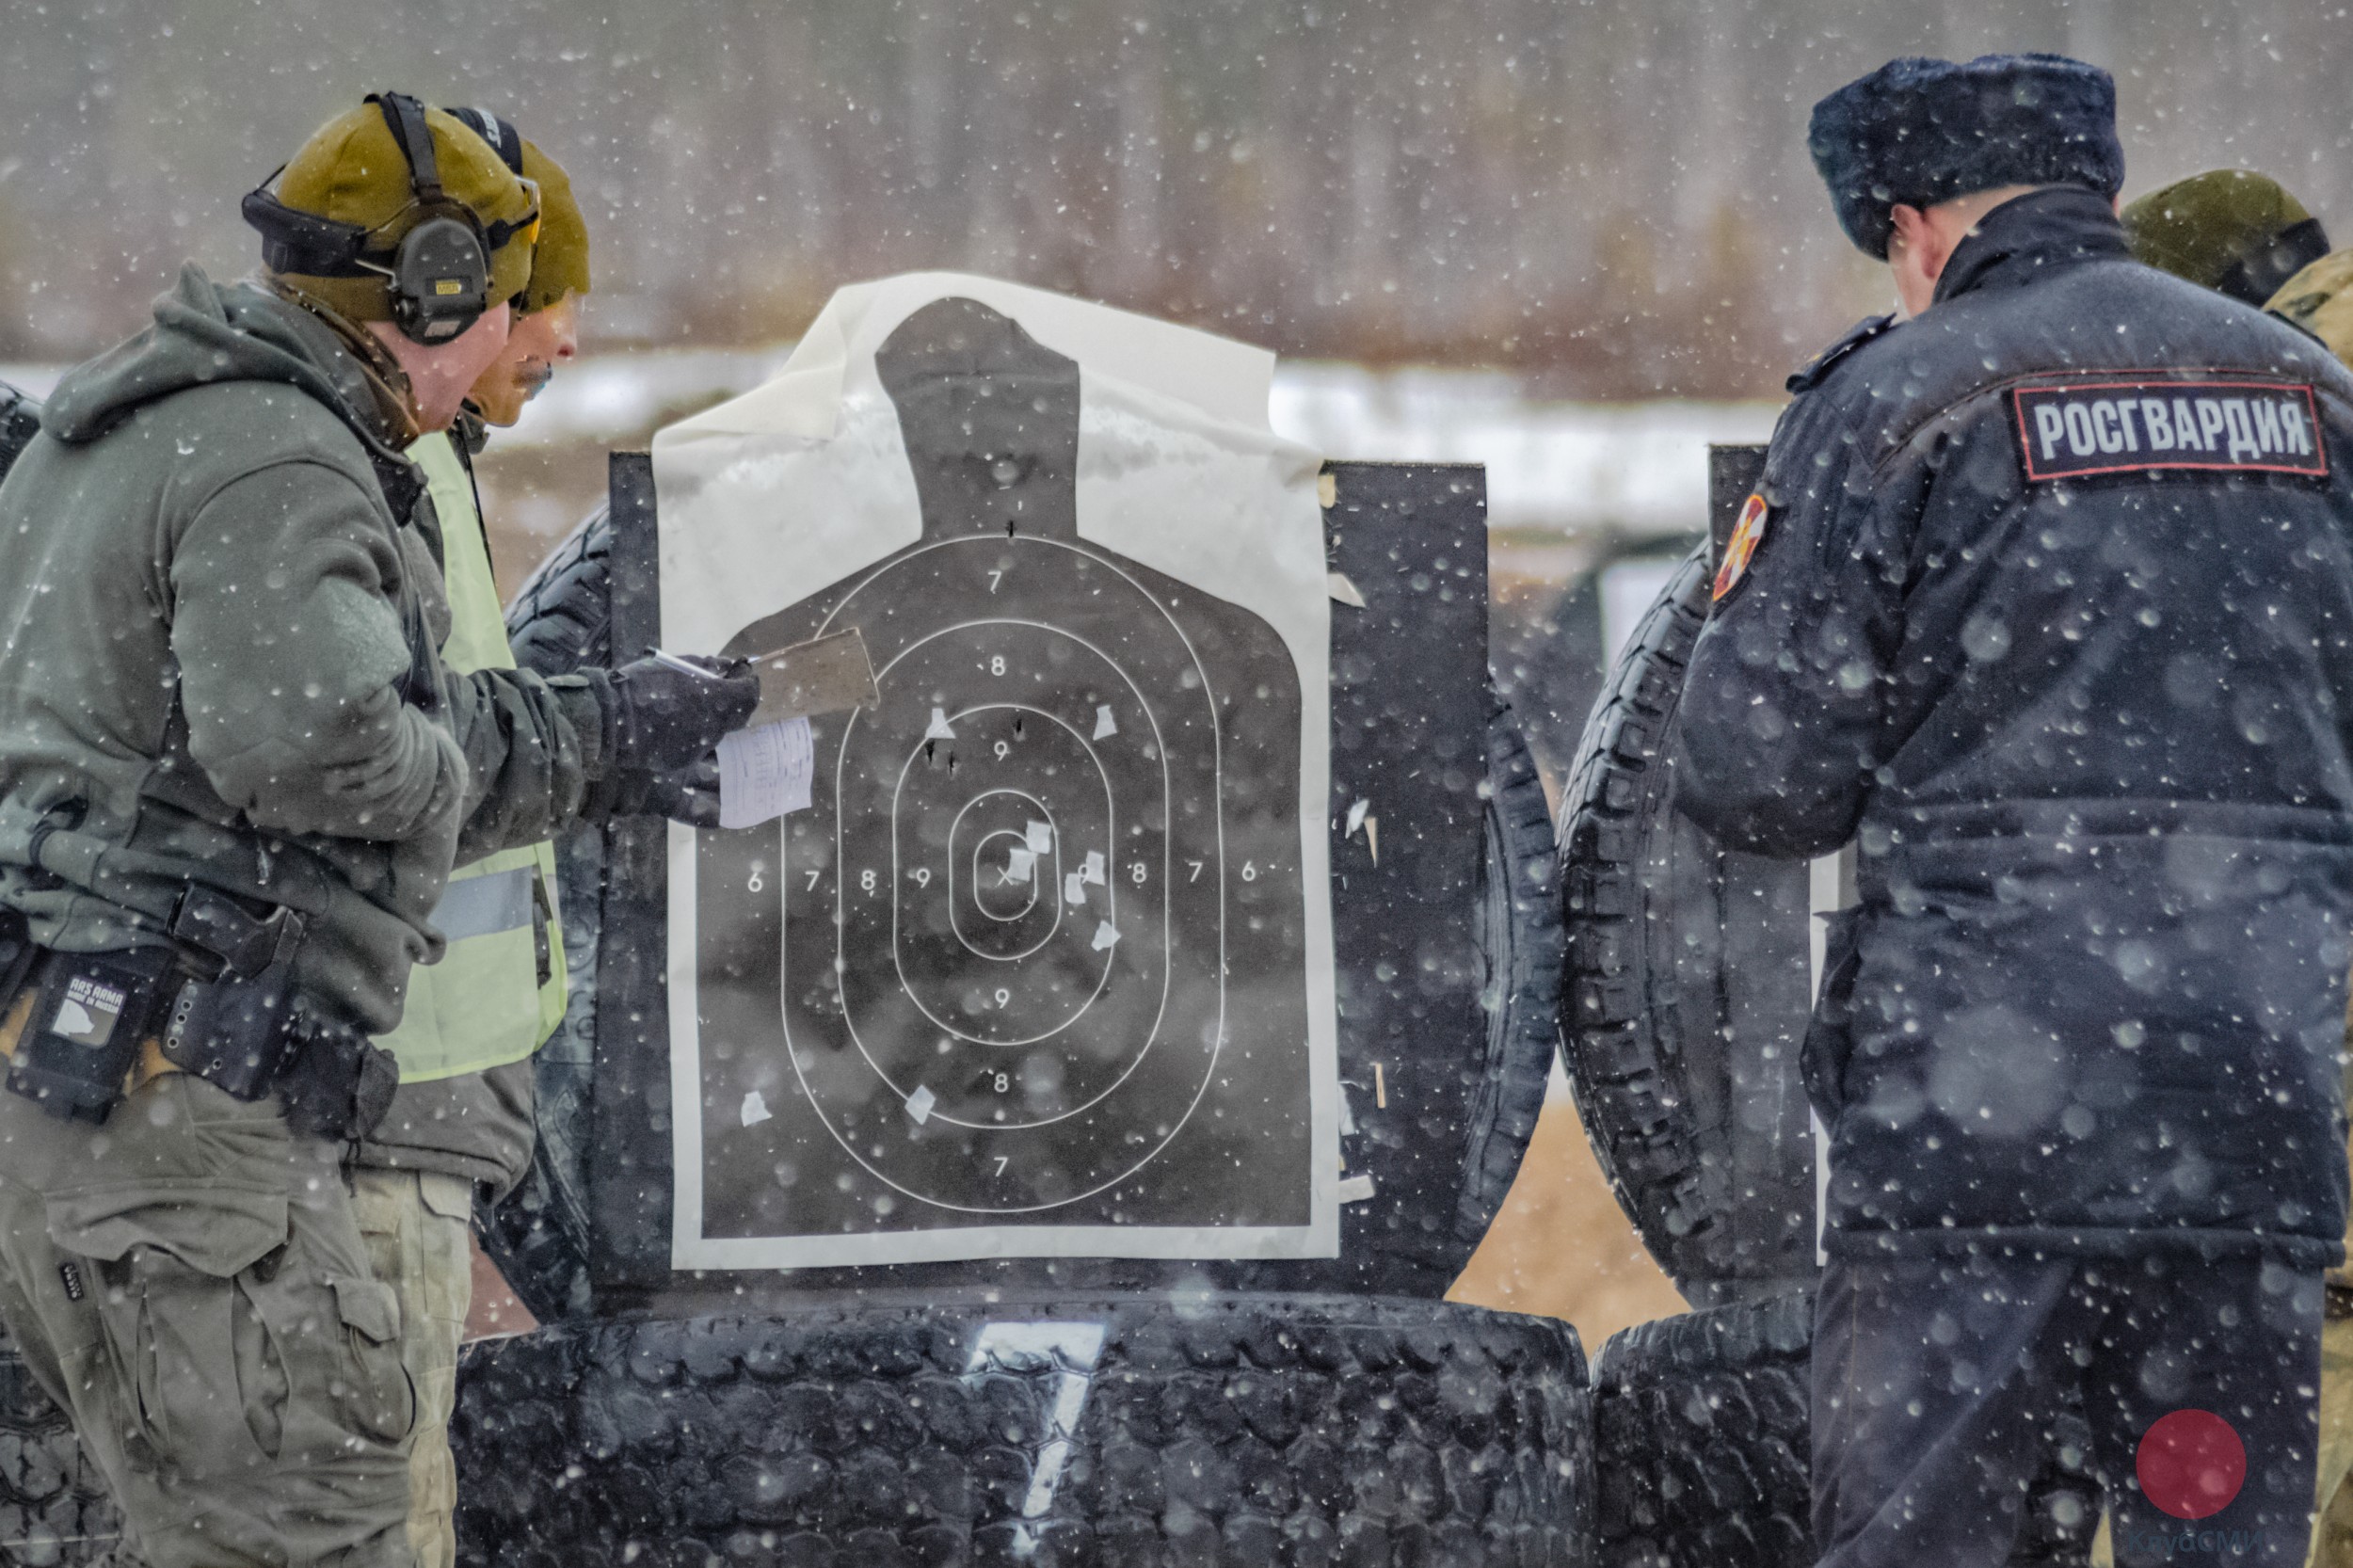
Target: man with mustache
462,1122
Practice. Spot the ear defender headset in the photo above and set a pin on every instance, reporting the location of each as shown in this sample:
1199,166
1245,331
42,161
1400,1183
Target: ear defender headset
439,274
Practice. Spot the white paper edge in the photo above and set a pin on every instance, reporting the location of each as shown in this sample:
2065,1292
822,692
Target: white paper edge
830,372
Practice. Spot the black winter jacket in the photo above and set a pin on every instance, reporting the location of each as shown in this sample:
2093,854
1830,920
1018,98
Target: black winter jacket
2053,616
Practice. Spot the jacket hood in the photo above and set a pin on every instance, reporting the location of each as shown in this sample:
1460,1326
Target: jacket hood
206,332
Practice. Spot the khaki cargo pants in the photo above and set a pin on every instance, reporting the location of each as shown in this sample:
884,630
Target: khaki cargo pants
2332,1538
192,1283
419,1230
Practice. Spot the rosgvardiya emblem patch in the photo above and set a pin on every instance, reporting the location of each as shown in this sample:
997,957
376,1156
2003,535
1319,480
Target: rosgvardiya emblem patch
1742,549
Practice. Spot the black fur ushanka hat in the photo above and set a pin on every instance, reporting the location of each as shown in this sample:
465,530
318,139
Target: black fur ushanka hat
1923,131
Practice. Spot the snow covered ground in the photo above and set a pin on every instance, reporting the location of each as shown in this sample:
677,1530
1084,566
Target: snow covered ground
1633,467
1640,468
1637,468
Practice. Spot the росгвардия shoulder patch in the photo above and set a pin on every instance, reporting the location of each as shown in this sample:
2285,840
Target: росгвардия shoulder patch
2076,429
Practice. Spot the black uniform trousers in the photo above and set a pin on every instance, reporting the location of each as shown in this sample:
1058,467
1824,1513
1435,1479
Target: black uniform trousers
1936,1381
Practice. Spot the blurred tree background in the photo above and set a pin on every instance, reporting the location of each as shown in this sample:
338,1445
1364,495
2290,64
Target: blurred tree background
1611,197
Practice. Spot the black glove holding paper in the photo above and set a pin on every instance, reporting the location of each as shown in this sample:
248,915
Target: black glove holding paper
688,794
668,711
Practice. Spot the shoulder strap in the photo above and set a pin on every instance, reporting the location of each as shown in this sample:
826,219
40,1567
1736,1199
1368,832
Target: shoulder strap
504,138
1810,375
20,421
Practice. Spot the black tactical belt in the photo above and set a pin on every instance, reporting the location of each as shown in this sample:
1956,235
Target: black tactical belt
82,1031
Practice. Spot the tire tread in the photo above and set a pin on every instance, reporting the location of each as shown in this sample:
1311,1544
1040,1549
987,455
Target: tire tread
1238,1429
1703,1441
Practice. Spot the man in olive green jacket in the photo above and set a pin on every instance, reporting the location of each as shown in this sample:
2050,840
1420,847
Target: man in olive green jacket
224,604
220,674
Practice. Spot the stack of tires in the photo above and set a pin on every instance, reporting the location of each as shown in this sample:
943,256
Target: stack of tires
53,1507
1686,995
1123,1429
1089,1411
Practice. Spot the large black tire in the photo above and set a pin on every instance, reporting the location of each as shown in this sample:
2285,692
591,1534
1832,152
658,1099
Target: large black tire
1246,1431
1521,944
1702,1431
1687,990
561,618
53,1507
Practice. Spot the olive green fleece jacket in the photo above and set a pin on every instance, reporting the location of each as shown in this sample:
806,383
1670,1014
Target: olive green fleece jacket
221,604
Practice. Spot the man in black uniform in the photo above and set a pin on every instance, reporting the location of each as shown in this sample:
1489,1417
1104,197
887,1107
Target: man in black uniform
2046,603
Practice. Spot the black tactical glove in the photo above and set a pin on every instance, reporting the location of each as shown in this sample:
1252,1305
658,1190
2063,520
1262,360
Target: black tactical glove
689,795
665,718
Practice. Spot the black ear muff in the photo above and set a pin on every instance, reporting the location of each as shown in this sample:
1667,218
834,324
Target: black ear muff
2254,278
440,273
441,280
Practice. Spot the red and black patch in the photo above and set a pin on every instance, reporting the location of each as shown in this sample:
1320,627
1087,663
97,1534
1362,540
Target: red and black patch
1740,549
2080,428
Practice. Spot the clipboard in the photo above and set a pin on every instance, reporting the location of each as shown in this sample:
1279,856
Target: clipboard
826,675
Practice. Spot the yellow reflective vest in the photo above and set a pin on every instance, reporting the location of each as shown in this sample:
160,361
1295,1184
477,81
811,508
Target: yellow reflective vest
498,992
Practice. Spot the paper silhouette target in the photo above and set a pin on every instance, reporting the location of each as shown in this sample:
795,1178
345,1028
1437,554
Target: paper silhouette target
1031,975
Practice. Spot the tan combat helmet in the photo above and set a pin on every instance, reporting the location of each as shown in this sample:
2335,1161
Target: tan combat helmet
338,227
2230,230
